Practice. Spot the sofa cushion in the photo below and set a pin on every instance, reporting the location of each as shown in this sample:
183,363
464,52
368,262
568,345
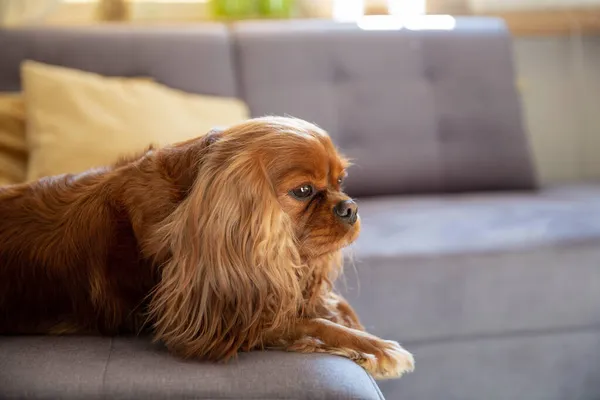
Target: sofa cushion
193,59
555,365
497,296
471,265
13,143
417,110
455,224
78,120
133,368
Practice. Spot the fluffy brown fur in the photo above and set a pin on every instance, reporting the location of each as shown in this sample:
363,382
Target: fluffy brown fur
204,242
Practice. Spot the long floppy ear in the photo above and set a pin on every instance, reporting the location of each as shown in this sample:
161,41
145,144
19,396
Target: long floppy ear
232,277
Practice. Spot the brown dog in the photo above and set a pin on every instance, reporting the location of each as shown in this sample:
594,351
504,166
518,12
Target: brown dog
221,244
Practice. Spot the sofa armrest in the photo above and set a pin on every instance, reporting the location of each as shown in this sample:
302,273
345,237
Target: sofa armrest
130,368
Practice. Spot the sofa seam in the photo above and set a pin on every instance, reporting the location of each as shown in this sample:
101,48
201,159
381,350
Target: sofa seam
105,372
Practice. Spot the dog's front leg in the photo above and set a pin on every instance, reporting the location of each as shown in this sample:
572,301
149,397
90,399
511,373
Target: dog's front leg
335,308
384,359
347,314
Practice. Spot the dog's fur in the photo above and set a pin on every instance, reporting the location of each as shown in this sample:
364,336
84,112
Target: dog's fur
201,242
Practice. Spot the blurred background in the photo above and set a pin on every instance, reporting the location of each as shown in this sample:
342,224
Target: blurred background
556,49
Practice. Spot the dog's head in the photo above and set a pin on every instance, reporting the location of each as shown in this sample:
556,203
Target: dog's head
266,217
303,174
276,165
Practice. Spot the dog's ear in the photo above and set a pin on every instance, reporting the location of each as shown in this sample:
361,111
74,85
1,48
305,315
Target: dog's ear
232,277
182,160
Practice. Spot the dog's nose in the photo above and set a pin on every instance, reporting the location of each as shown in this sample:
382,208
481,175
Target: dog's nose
347,211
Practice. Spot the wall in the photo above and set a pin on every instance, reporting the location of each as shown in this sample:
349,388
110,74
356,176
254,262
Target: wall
512,5
84,12
560,83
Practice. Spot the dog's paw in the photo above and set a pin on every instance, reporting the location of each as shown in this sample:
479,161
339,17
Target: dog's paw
394,361
389,361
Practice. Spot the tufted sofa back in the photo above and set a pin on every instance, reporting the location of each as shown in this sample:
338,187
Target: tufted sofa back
196,59
417,110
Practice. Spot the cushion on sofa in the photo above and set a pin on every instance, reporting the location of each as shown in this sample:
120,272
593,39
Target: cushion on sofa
78,120
13,143
477,222
497,295
477,264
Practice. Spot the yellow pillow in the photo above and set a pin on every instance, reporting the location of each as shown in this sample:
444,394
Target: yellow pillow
13,145
78,120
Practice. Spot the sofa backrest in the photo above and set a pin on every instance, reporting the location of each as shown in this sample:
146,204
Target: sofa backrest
196,59
417,110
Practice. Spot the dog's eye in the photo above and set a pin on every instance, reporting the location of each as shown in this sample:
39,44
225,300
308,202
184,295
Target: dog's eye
303,192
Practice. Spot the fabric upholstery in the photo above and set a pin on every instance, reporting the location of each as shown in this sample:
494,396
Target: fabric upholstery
417,111
488,291
195,59
478,222
79,120
549,365
133,368
13,142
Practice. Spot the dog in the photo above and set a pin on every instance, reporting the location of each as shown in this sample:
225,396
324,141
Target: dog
223,244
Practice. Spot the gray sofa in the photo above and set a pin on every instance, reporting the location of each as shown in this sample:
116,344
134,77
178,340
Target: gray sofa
492,282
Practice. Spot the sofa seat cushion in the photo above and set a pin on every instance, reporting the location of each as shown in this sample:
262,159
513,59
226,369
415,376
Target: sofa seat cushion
478,222
483,289
431,269
133,368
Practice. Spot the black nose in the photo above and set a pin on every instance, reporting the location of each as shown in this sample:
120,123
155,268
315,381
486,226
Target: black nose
347,211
